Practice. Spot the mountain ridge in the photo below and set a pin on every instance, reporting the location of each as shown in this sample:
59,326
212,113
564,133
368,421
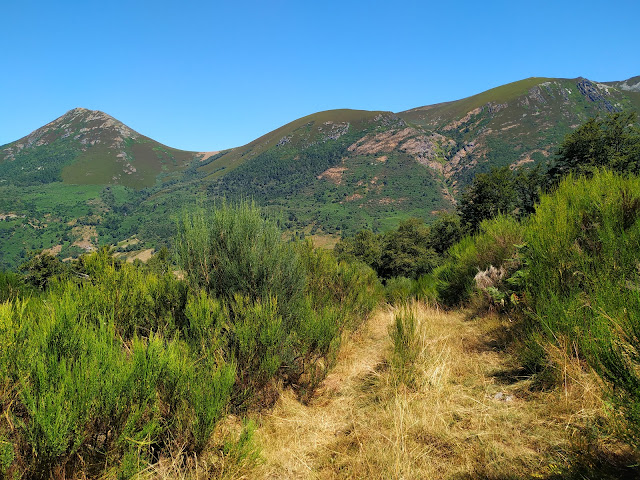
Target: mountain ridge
328,173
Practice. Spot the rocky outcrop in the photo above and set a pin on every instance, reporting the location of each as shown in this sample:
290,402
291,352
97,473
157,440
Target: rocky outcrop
596,93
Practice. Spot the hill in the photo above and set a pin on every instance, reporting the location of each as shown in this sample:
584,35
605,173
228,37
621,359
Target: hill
88,147
87,179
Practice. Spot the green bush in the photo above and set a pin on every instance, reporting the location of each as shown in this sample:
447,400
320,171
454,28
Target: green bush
351,286
119,365
425,289
399,290
583,277
79,380
495,244
139,301
582,252
12,286
235,250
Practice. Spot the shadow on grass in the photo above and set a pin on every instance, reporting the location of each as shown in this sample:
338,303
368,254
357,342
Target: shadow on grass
598,465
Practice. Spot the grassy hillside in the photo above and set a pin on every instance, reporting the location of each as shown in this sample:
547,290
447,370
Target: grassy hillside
88,147
521,123
328,174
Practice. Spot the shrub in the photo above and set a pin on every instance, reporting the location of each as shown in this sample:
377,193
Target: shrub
398,290
235,250
494,245
78,381
12,286
139,301
583,277
351,286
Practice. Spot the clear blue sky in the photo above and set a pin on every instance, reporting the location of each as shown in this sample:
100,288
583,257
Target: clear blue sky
207,75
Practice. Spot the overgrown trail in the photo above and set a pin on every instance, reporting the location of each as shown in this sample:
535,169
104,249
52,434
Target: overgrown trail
296,436
466,411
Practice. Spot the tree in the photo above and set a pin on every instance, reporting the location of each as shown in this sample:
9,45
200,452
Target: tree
488,195
407,252
612,142
501,191
366,246
41,268
445,231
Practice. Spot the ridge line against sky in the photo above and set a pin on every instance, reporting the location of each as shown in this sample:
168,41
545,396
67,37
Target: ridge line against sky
208,75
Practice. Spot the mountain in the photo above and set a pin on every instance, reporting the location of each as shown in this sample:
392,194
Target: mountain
343,170
87,179
519,123
92,148
630,85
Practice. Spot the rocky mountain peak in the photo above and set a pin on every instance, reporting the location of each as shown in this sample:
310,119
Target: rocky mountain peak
84,126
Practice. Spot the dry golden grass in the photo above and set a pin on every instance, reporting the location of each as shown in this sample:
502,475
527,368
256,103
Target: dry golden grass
292,435
467,414
225,458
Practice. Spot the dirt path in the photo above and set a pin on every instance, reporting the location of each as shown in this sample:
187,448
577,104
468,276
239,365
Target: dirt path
298,435
467,412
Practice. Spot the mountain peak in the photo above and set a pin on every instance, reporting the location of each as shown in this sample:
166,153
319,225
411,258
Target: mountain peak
87,127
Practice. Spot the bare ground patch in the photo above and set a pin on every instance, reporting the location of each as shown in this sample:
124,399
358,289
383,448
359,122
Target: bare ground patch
333,174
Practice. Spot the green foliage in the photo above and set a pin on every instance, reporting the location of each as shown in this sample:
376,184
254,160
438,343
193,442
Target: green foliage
78,380
259,343
41,165
495,245
583,276
398,290
406,345
42,268
444,231
123,363
353,287
137,301
612,142
412,250
287,304
7,456
243,451
365,245
12,286
425,289
501,191
235,250
407,251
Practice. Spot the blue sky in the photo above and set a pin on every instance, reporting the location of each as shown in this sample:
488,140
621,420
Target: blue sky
204,76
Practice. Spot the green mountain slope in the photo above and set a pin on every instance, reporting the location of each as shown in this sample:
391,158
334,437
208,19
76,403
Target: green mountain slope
313,170
88,147
87,179
516,124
